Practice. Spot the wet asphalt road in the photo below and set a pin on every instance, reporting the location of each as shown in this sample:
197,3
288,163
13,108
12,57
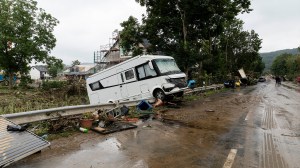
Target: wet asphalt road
266,136
272,130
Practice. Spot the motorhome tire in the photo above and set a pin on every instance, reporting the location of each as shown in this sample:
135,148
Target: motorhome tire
159,94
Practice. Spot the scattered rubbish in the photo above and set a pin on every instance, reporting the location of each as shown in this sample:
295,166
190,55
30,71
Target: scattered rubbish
146,117
86,123
133,120
124,110
84,130
101,124
114,127
147,126
144,105
158,102
19,128
210,110
191,84
98,129
112,114
123,118
146,112
168,104
45,136
61,124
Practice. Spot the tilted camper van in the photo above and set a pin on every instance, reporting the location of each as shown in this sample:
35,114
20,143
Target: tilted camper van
141,77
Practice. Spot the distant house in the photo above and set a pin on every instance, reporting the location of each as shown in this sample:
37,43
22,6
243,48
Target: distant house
112,54
39,72
82,71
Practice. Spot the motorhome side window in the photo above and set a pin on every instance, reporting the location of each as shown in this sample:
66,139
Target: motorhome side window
145,72
129,74
96,86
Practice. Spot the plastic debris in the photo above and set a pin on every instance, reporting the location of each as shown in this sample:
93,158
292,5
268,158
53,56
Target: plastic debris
84,130
19,128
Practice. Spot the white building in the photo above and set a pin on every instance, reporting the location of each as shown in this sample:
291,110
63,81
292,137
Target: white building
39,72
82,71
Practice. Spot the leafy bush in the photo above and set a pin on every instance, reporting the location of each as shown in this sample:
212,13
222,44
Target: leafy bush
47,85
24,81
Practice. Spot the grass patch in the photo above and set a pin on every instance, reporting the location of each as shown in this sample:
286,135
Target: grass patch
191,97
19,100
52,137
200,95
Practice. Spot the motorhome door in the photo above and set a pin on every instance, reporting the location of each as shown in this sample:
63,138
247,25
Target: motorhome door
123,88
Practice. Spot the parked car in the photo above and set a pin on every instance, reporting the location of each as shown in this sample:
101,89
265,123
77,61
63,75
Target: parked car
261,79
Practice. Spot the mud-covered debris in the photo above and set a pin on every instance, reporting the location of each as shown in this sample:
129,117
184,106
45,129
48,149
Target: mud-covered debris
158,103
209,110
114,127
19,128
131,120
147,126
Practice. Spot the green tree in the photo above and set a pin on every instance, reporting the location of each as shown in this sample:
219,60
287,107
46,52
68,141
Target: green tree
131,36
280,65
240,48
180,27
76,62
26,34
54,67
292,66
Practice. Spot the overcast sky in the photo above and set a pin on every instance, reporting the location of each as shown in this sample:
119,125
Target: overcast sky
276,22
87,24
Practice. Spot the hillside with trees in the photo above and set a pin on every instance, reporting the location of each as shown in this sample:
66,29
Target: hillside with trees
269,57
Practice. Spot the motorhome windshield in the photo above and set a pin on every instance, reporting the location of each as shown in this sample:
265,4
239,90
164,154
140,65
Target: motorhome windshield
167,66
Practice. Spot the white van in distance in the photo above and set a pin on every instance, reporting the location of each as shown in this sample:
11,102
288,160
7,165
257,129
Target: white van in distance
141,77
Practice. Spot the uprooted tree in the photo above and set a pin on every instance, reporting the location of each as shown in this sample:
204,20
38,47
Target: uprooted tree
26,35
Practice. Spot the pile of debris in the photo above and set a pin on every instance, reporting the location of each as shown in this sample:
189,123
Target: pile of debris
117,119
102,121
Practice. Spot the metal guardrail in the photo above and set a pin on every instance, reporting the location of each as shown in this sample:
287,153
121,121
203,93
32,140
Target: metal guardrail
45,114
204,88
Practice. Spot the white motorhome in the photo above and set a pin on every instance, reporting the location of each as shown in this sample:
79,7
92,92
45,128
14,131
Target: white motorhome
141,77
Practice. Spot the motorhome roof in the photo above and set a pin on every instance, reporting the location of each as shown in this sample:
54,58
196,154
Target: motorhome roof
137,57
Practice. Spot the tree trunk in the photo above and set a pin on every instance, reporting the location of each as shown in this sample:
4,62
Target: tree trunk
11,78
184,32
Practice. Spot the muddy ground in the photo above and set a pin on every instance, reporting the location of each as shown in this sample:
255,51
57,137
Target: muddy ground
201,123
200,133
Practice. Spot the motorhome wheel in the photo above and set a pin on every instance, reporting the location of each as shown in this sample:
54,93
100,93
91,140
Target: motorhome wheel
159,94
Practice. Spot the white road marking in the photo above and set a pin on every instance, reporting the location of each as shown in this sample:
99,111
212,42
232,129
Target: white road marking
247,116
230,158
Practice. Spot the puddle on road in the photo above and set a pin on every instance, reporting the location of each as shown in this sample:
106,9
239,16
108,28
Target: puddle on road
104,153
108,153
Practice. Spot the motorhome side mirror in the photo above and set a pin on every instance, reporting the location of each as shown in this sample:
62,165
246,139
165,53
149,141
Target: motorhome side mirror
150,65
